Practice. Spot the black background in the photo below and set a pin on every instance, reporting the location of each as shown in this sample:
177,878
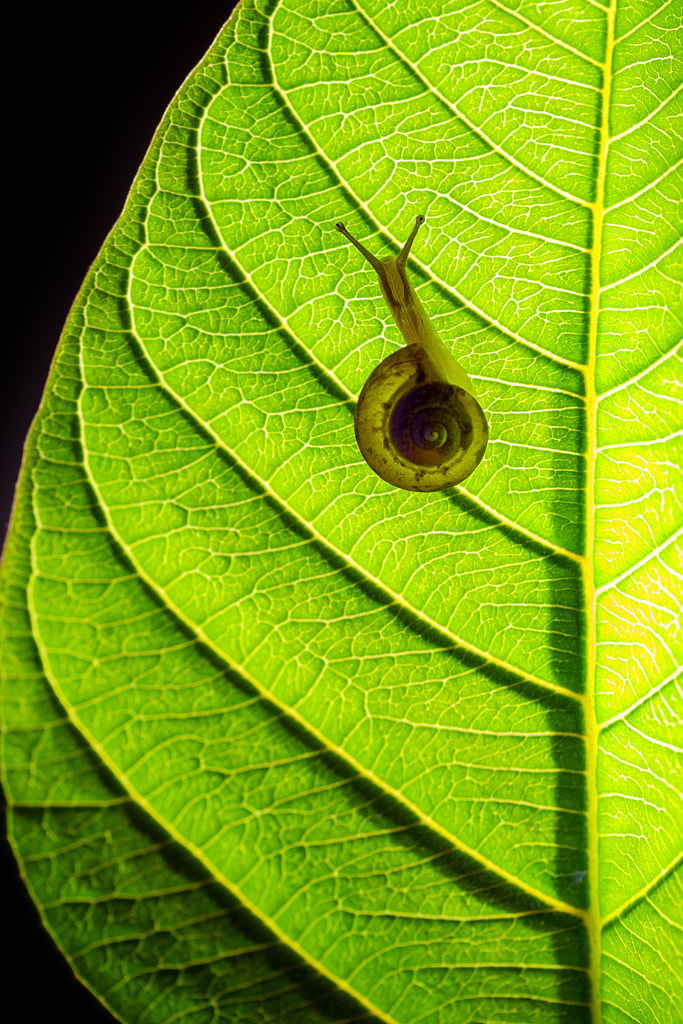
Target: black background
87,87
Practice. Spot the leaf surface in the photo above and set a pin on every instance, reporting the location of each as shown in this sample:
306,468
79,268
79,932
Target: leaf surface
284,743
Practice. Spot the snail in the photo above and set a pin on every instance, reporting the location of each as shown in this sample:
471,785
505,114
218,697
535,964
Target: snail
418,424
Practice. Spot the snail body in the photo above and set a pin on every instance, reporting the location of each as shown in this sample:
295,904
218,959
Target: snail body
418,424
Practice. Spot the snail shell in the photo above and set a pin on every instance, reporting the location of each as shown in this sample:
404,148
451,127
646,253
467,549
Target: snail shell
416,431
418,424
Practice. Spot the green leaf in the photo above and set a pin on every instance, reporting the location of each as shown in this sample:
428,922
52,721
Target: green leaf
284,744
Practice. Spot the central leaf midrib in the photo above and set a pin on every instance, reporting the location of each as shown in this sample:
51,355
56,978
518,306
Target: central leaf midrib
594,922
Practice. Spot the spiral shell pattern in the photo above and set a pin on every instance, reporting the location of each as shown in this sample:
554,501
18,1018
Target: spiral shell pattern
416,432
428,424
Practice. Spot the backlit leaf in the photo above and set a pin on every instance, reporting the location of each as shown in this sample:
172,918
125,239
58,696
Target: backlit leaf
285,744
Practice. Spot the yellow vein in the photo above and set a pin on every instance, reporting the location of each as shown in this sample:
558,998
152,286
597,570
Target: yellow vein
643,373
535,447
530,387
643,892
655,743
649,117
529,534
592,731
639,565
415,915
529,73
642,270
645,188
623,715
639,444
